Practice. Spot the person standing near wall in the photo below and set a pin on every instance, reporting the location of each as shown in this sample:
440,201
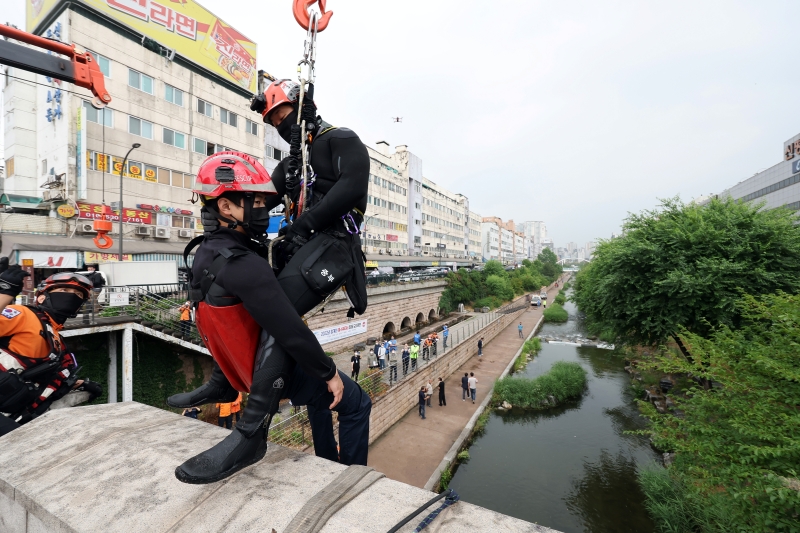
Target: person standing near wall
186,318
464,387
417,338
519,328
406,354
224,418
442,401
422,397
480,347
355,365
381,356
236,407
414,355
445,334
428,393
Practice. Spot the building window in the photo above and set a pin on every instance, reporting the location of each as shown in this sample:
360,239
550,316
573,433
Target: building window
173,138
274,153
182,222
173,95
140,127
104,63
98,116
140,81
252,127
204,108
227,117
164,176
200,146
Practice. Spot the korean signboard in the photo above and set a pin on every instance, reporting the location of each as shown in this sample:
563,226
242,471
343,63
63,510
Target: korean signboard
183,25
340,331
131,216
91,258
49,259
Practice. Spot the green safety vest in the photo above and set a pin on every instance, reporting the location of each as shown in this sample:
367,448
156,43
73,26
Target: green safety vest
414,351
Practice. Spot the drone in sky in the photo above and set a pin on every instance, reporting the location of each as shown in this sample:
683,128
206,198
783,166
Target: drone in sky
397,119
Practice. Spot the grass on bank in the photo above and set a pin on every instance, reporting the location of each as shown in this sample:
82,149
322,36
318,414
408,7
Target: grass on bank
555,313
560,299
564,381
531,347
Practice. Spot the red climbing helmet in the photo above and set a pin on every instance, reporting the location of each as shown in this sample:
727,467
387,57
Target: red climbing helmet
280,92
67,280
232,172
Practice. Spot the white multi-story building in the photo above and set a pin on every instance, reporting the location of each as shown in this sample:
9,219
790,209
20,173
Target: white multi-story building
386,218
180,82
777,186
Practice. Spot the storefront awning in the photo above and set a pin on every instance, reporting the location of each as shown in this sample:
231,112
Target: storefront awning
24,241
18,201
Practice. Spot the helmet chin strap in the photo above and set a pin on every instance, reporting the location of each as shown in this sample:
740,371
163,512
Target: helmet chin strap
249,202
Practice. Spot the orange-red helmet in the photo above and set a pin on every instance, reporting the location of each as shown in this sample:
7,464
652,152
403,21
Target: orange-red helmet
232,172
280,92
67,280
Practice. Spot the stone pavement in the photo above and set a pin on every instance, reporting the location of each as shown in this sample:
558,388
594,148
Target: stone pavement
413,448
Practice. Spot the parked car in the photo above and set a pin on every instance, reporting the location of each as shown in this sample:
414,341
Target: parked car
536,301
409,276
543,296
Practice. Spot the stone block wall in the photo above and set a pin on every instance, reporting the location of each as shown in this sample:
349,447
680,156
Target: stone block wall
396,305
390,408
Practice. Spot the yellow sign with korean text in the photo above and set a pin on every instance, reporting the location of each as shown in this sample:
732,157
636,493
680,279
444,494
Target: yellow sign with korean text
91,258
371,264
66,211
182,25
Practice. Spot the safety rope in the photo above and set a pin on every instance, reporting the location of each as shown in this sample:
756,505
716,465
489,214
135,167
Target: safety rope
450,496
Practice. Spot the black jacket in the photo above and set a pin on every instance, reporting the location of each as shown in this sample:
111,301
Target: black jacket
341,163
251,279
465,383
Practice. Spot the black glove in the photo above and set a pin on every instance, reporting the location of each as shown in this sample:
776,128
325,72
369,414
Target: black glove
3,264
258,104
11,280
209,221
297,234
93,388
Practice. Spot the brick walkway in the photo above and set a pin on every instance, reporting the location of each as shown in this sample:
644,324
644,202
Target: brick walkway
412,449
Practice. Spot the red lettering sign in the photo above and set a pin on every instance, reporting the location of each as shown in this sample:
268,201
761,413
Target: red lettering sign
131,216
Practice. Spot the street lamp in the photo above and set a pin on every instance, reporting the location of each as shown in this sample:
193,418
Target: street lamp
121,170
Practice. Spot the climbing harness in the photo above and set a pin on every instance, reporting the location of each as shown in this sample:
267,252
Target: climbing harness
450,497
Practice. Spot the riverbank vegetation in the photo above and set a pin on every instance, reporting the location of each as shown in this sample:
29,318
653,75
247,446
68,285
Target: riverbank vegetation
564,381
555,313
494,285
529,350
560,299
709,295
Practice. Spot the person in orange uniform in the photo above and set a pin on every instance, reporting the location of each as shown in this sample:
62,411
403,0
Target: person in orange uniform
186,318
35,367
224,418
236,407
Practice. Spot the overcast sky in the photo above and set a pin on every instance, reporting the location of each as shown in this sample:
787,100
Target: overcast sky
574,113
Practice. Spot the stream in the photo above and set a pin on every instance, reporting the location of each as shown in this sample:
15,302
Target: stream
571,468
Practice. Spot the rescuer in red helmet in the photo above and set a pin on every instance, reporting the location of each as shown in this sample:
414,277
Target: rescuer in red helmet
35,367
249,325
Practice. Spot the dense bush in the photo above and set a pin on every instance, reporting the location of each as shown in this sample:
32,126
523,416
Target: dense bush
564,381
738,441
531,347
494,284
555,313
560,298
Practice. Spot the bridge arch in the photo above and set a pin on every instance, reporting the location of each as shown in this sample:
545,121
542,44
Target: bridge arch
406,323
432,315
388,329
420,318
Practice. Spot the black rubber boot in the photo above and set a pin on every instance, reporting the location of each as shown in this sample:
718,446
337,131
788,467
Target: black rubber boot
247,442
217,390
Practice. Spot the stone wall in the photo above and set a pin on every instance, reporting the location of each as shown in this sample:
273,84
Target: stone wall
395,305
390,408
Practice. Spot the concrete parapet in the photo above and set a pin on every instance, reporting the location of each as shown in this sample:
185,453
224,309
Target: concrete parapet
110,468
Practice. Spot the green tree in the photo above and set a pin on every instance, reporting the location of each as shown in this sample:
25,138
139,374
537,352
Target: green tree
500,287
688,265
739,441
493,268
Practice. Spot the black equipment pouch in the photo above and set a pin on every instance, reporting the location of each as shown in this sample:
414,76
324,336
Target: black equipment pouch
356,287
328,266
15,393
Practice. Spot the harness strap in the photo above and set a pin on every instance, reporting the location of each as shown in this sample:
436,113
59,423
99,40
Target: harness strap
210,274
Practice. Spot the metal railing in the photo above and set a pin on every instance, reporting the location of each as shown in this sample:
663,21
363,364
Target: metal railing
154,306
405,277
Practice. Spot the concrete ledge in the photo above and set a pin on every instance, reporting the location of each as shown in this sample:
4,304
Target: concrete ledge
110,468
450,456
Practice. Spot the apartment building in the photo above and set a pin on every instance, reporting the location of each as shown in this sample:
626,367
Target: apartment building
386,219
180,81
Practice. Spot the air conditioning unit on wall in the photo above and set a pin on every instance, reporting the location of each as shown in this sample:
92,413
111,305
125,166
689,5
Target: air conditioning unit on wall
85,227
162,233
144,231
186,233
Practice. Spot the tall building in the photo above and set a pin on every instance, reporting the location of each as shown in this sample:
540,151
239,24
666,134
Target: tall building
180,81
777,186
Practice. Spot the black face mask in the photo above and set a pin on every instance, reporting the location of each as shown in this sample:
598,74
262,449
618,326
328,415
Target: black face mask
259,222
61,305
285,127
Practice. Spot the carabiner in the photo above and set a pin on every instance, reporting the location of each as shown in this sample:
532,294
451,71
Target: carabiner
300,10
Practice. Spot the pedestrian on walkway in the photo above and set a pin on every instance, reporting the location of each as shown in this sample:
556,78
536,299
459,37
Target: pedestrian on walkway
417,338
224,418
375,350
464,386
422,398
392,356
445,334
236,407
414,355
442,401
381,356
544,304
429,392
519,328
406,354
473,385
480,347
186,319
355,367
392,345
